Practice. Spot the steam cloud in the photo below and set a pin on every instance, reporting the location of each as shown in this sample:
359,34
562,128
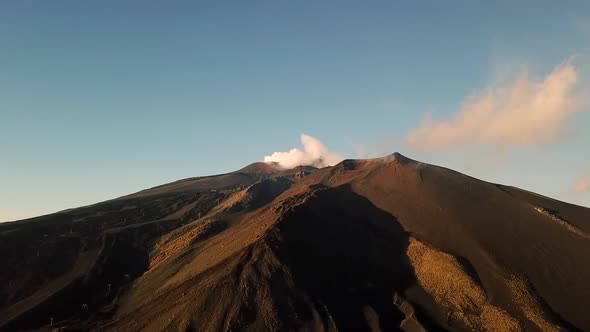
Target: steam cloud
314,153
526,112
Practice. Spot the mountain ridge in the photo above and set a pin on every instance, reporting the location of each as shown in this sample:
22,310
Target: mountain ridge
386,243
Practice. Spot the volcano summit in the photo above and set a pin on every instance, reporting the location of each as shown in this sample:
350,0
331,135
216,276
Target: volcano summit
379,244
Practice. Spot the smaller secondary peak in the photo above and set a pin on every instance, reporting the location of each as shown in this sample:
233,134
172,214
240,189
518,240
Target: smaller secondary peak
396,156
261,168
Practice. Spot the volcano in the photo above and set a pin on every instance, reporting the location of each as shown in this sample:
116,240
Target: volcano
366,245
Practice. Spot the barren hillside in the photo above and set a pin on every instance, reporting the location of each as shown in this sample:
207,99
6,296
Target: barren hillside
381,244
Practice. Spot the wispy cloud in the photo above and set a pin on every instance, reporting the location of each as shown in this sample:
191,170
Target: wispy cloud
582,185
522,113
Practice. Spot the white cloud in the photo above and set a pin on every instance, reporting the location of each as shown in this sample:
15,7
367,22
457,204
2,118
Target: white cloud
314,153
582,185
523,113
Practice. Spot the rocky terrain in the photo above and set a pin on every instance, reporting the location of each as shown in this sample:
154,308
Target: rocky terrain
382,244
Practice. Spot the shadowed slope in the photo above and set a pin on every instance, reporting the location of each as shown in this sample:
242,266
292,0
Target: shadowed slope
386,243
499,231
324,258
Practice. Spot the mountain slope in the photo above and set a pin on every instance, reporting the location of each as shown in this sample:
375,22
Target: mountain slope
386,243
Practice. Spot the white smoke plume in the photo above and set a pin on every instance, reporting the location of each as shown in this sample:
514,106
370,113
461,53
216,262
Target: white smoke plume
314,154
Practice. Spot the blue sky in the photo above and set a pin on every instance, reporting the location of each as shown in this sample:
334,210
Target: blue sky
102,99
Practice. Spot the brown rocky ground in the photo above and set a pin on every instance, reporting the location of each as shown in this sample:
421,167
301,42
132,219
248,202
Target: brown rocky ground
382,244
